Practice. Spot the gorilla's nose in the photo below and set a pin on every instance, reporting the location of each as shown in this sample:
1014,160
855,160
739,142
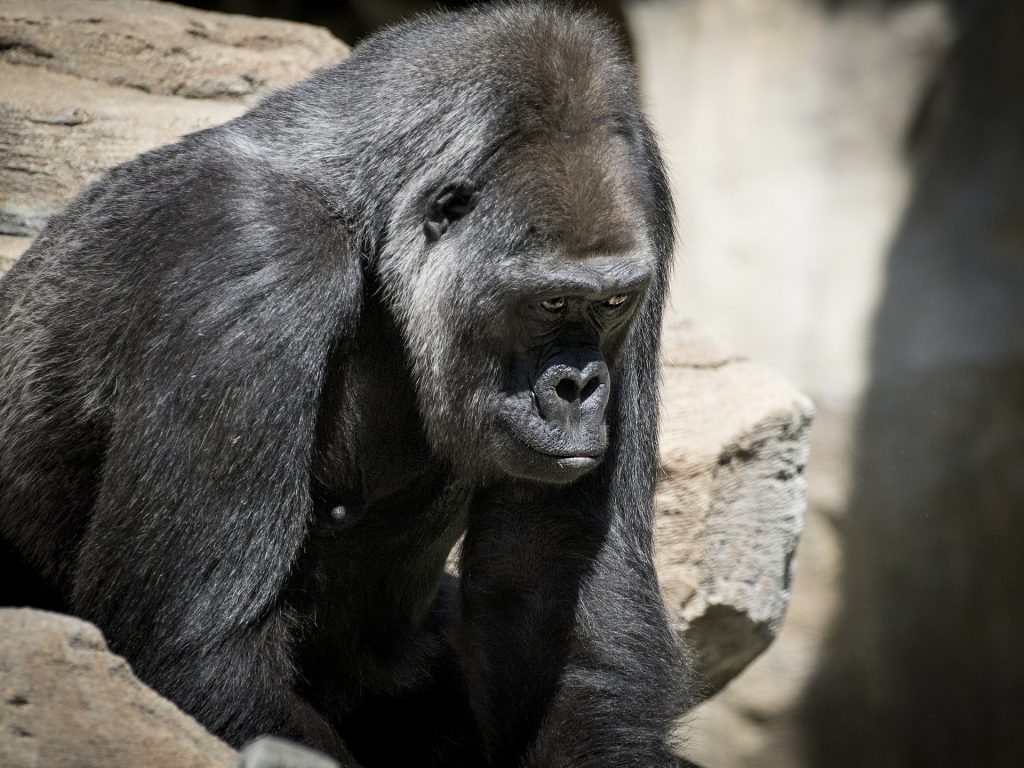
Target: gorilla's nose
567,395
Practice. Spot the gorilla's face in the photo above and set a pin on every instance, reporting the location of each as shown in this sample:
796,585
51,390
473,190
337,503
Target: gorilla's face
523,292
522,384
565,319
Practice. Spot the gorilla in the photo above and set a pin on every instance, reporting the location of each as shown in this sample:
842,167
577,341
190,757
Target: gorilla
256,386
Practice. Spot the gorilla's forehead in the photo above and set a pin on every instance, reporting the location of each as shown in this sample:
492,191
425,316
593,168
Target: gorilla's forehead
558,74
578,191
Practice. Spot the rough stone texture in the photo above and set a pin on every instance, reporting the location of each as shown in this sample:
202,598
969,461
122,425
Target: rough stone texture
734,440
66,701
91,83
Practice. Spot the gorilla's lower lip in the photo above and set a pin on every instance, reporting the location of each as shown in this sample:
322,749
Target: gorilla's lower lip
567,460
576,462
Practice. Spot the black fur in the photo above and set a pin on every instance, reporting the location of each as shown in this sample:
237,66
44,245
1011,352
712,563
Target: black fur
255,385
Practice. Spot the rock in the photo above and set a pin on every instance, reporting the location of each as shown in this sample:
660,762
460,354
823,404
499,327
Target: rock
65,700
91,83
734,443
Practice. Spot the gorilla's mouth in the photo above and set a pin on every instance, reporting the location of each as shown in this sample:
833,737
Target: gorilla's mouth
523,457
575,454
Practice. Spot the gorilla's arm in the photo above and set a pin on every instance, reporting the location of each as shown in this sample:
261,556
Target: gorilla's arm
565,637
206,499
624,682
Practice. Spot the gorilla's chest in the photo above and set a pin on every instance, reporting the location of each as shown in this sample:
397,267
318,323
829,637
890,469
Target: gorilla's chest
387,513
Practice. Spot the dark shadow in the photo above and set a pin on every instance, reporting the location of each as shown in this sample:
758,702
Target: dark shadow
925,666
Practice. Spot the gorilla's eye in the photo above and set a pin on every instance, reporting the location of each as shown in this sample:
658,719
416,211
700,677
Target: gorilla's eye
554,305
616,301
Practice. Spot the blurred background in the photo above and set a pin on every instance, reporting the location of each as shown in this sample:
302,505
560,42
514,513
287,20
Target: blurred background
849,176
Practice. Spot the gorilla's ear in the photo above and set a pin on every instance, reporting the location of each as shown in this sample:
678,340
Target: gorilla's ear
449,204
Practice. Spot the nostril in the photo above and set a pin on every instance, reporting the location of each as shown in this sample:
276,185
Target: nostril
567,390
590,388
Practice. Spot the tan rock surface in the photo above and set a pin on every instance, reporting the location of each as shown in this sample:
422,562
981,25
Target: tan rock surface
88,84
66,701
10,249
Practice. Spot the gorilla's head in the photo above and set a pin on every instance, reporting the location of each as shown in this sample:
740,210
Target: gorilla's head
526,255
528,284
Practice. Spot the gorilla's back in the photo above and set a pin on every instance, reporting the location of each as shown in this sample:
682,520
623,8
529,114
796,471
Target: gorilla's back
84,302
